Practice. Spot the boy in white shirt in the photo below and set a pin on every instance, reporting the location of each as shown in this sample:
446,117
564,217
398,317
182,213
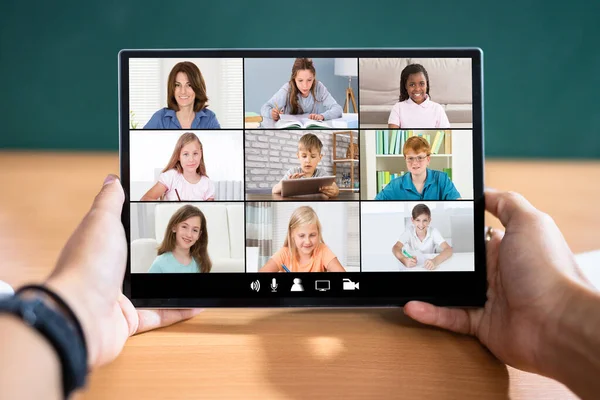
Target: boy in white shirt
421,238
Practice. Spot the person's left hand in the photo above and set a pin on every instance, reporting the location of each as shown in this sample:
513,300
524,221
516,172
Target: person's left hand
89,274
429,264
317,117
329,191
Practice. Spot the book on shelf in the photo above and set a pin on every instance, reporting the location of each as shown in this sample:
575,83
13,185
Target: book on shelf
385,177
390,142
448,171
437,142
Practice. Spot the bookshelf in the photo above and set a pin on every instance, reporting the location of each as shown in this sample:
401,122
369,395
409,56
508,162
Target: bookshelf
349,159
454,152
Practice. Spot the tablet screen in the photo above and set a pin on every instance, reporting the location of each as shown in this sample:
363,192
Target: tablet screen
208,136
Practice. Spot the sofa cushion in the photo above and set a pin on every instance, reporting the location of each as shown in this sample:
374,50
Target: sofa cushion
227,265
459,113
380,80
143,253
235,220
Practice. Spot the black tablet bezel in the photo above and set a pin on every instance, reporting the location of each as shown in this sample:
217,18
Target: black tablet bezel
464,289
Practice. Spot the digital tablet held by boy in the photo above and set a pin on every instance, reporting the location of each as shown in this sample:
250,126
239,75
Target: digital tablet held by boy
309,155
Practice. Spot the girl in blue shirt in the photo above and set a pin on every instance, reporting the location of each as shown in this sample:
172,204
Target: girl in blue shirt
185,246
303,94
186,101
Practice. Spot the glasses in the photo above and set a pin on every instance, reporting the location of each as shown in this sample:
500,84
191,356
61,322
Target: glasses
415,159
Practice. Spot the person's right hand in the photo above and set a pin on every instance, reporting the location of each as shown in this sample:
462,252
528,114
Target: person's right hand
275,114
532,275
296,176
410,262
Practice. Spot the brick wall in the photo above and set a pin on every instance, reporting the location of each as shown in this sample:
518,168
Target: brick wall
269,154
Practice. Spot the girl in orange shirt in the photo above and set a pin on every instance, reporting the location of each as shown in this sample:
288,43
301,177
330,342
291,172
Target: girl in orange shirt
304,249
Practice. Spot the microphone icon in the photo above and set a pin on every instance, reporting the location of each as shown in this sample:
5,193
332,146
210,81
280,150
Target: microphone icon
274,285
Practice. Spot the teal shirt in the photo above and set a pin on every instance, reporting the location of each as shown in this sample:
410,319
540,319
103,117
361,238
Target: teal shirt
167,263
437,187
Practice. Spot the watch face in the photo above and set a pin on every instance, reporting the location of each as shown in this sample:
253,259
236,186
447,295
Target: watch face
312,177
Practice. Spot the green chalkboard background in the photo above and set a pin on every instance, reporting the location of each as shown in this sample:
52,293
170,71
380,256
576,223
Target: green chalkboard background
58,59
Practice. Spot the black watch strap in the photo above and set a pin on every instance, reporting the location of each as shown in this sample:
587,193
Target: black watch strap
64,335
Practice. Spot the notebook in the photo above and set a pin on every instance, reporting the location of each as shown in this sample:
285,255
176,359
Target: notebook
300,121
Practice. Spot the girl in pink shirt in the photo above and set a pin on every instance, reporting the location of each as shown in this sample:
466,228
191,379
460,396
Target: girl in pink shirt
184,177
415,109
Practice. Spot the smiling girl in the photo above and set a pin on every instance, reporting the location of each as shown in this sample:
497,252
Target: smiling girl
304,249
415,109
184,177
303,94
185,246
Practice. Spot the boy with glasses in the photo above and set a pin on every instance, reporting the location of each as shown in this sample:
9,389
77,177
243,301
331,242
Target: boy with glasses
420,183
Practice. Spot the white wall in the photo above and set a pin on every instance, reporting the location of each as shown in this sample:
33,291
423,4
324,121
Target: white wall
462,162
151,150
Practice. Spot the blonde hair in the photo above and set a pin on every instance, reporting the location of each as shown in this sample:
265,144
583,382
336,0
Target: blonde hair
417,144
174,163
310,141
303,215
199,250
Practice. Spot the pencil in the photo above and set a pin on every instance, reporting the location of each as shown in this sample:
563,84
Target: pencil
177,193
277,108
285,268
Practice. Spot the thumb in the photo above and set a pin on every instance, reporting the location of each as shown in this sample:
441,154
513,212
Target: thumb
111,196
454,319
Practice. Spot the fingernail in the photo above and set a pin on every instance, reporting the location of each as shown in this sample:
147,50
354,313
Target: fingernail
109,179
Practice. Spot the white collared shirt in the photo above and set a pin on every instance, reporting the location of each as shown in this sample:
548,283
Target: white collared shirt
428,114
431,244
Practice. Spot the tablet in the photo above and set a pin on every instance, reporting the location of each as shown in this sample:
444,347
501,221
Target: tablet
202,157
295,187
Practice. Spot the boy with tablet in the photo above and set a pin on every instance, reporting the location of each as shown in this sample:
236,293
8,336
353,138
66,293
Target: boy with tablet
309,155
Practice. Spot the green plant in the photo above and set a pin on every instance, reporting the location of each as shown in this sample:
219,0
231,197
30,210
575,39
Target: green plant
132,121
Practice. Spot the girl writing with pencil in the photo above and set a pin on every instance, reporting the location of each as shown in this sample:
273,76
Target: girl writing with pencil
184,177
185,246
303,249
422,238
303,94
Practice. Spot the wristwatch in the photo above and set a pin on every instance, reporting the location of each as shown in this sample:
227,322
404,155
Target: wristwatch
44,311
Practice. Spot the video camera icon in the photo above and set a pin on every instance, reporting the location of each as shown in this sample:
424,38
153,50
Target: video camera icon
349,285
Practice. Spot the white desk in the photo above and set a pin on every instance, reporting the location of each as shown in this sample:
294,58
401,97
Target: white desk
388,263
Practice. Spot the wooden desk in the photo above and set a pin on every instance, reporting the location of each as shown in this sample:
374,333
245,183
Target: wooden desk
284,354
268,196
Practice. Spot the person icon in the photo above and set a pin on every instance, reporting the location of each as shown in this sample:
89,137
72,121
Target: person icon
297,286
